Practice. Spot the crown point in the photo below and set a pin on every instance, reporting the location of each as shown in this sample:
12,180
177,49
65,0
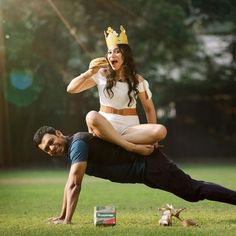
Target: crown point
109,30
122,28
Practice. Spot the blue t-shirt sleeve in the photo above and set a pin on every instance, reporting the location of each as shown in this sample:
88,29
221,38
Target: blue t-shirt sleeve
78,151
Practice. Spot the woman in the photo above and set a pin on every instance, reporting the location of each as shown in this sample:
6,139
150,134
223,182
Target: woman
119,86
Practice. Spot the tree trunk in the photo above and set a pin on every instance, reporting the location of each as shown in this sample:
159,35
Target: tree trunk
5,150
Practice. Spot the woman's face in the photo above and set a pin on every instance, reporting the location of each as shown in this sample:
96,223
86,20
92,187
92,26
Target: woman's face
115,57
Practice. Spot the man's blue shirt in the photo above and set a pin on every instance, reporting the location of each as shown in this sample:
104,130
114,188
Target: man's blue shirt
106,160
78,151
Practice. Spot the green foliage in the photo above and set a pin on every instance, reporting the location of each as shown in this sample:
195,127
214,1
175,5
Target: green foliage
164,36
159,31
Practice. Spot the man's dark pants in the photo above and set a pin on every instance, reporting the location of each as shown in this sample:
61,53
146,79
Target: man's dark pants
163,174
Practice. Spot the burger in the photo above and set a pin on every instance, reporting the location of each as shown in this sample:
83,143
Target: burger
98,62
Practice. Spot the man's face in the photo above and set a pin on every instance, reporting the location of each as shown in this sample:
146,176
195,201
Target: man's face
53,144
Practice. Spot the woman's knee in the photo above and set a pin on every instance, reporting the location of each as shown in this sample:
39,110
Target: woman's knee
92,118
159,132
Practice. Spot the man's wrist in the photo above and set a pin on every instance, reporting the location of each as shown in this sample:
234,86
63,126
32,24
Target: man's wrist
66,221
61,217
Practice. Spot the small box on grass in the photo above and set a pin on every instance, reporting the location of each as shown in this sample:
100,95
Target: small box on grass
104,215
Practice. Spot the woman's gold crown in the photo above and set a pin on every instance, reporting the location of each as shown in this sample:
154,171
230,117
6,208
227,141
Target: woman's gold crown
112,38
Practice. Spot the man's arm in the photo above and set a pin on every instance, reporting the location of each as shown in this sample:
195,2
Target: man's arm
73,188
71,193
63,210
62,216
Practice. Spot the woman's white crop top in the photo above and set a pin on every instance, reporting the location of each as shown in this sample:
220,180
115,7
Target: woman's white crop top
120,99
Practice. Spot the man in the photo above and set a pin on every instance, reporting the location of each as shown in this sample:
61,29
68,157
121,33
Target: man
93,156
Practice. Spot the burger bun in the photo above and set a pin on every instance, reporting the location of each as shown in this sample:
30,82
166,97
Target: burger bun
98,62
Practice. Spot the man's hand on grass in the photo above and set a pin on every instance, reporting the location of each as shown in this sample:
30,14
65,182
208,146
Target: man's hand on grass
57,220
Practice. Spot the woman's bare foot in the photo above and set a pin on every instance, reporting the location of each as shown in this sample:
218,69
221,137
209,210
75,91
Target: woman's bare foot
142,149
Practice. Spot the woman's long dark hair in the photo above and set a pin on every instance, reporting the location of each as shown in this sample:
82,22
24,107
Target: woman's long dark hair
129,73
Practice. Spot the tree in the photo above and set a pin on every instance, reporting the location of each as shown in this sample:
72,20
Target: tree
50,42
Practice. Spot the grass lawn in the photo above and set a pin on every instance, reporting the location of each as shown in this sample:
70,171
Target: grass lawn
29,197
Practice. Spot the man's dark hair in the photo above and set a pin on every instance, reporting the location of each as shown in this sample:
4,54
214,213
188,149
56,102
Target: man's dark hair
41,132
